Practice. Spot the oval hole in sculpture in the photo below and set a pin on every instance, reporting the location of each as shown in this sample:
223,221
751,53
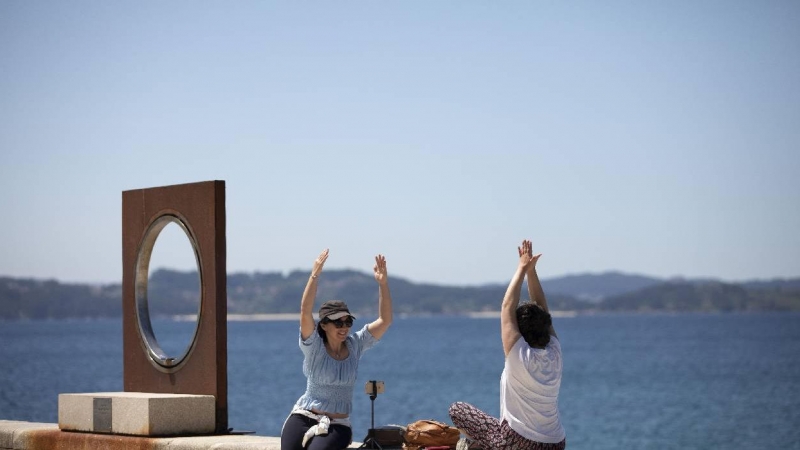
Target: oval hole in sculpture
168,292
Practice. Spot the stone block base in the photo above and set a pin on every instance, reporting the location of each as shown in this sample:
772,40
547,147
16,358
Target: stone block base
137,413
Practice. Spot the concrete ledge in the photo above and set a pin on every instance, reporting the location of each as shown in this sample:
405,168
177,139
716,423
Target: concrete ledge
16,435
137,413
12,432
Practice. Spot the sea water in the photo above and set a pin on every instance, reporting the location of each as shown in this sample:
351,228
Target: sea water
684,381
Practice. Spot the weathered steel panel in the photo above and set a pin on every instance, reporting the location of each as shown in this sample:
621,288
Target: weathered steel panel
201,207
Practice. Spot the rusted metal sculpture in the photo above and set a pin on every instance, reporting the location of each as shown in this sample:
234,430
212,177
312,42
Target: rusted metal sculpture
199,210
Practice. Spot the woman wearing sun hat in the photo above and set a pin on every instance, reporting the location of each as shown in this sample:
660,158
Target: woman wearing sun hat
320,418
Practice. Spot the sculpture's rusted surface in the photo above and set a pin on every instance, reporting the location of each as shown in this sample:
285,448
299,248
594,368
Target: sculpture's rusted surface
200,207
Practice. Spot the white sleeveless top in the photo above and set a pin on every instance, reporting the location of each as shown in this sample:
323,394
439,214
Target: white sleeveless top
529,391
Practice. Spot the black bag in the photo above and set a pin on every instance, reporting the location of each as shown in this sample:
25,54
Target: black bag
388,436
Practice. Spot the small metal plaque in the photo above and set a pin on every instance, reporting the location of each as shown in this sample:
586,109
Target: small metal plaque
102,415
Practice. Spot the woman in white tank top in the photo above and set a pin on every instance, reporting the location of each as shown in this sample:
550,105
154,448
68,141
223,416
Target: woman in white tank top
531,380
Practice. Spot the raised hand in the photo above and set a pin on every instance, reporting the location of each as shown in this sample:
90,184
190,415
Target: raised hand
380,269
319,263
526,257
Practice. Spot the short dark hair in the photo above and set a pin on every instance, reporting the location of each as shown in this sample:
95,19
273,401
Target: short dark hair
534,324
321,332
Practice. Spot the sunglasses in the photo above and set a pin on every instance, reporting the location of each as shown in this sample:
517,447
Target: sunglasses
341,323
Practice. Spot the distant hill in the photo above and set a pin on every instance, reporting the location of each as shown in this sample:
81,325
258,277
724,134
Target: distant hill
275,293
781,284
682,296
25,298
595,287
174,292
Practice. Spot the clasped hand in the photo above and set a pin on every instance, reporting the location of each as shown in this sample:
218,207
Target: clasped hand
527,260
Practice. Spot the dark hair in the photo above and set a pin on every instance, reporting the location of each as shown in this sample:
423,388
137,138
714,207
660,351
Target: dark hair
534,324
321,331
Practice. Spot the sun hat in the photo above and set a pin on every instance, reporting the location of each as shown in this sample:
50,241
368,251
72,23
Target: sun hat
333,310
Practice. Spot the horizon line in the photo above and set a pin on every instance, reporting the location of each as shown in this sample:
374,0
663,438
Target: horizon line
287,273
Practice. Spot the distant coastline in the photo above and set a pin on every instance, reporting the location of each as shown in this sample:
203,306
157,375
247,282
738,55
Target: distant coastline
296,316
275,296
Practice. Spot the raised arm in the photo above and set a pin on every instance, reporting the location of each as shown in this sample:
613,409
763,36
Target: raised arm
509,329
384,320
307,324
534,286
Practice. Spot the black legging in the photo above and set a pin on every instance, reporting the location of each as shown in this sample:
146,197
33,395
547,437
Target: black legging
338,437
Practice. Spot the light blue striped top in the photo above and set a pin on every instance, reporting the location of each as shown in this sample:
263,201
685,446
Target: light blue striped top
329,385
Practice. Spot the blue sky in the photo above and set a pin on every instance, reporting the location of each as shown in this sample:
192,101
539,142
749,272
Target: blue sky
659,138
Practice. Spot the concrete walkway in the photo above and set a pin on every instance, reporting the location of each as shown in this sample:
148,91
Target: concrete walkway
15,435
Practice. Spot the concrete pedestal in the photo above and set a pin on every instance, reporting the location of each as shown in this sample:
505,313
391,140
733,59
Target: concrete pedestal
16,435
137,413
